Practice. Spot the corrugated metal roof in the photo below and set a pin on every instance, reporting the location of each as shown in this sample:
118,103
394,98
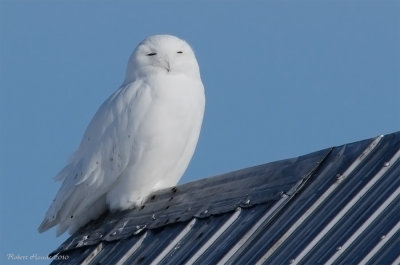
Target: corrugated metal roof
339,205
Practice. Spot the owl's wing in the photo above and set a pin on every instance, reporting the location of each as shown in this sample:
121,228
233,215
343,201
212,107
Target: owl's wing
102,156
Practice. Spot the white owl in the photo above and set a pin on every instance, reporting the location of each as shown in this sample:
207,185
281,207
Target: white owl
140,140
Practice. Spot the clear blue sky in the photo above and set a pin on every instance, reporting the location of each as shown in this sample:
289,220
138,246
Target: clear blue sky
282,79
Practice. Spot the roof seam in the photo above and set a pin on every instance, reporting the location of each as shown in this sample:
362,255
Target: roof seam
299,186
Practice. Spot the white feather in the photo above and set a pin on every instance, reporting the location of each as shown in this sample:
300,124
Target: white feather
140,140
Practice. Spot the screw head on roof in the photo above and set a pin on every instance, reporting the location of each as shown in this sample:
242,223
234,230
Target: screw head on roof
153,217
291,261
247,202
386,164
139,229
338,248
383,237
205,211
339,177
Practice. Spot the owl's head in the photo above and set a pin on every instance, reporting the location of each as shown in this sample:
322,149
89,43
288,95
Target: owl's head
162,54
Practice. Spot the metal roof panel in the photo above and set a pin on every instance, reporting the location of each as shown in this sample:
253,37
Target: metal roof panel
338,205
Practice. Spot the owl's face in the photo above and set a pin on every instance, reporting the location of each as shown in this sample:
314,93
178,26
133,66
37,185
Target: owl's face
162,54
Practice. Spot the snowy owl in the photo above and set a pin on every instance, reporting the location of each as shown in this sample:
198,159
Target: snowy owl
140,140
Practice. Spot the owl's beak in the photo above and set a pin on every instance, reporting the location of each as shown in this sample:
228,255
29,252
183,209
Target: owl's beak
167,65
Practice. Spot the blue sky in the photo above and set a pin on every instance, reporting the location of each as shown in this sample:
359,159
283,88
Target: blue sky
282,79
